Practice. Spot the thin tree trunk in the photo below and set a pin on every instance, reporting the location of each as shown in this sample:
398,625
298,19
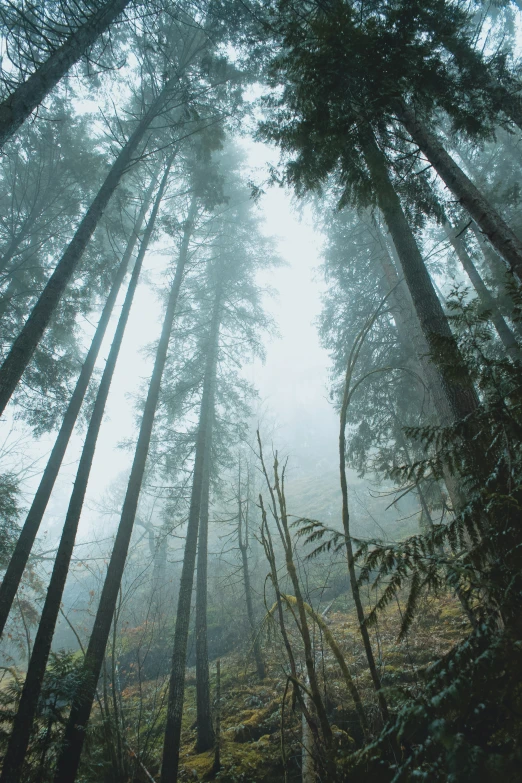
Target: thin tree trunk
19,740
25,344
32,523
349,552
16,108
74,735
277,490
503,239
171,746
307,746
504,332
458,399
217,751
205,732
243,548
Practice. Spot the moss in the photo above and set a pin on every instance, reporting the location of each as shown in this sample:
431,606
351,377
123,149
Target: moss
254,761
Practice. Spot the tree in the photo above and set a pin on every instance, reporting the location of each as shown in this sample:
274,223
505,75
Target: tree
236,317
28,95
177,678
243,543
33,520
82,702
26,342
12,767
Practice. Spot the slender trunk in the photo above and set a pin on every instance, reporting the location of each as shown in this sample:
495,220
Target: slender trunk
32,523
19,740
307,750
159,553
243,548
16,108
217,751
266,540
304,629
459,397
503,239
74,736
205,732
351,563
504,332
25,344
276,490
171,746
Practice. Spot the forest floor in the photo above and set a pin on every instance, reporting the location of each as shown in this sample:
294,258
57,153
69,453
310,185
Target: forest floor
251,710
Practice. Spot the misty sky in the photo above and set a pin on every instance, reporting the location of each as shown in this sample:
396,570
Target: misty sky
292,383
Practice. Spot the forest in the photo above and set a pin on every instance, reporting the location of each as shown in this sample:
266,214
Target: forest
260,391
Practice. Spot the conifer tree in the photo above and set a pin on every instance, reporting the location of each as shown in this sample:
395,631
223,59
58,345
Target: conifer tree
82,703
34,518
12,767
27,96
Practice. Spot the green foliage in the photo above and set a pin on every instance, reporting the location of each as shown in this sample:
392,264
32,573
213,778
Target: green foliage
62,677
9,512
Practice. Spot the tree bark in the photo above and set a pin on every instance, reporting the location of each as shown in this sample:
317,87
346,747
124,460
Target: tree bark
17,107
205,732
504,332
458,398
243,548
25,344
171,746
503,239
33,520
19,740
74,736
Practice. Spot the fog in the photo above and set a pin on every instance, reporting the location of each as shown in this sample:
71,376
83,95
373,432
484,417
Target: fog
260,391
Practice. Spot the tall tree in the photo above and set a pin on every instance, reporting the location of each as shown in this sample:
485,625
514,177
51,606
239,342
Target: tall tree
25,542
25,344
171,745
13,762
82,703
243,521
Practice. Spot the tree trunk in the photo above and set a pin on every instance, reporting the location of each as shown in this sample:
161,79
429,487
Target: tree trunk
411,337
281,519
15,109
32,523
504,332
217,750
19,740
307,746
25,344
74,735
503,239
458,399
243,547
205,732
171,746
351,563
